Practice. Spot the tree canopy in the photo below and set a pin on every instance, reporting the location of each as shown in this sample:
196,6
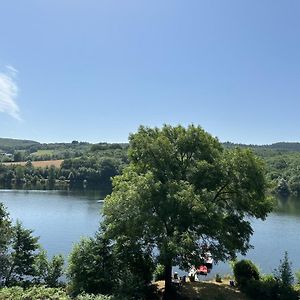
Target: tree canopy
183,192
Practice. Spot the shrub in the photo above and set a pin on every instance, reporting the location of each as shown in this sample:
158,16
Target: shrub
159,272
269,288
33,293
135,270
218,278
245,270
265,289
93,297
92,267
44,293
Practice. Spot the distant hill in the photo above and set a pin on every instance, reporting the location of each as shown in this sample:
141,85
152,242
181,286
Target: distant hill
284,146
280,146
9,145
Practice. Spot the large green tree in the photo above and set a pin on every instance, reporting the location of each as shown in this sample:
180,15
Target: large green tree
183,192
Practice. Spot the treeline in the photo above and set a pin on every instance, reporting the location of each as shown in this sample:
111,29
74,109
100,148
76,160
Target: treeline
282,163
23,150
283,171
11,145
88,171
92,165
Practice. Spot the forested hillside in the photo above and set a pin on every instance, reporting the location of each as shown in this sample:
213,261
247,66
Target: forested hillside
84,165
11,145
282,165
89,165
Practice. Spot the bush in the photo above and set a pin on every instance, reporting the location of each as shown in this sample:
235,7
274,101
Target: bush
245,270
33,293
135,273
265,289
269,288
92,268
159,272
93,297
218,278
44,293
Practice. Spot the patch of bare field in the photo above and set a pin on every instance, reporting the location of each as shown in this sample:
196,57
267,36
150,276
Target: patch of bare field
41,163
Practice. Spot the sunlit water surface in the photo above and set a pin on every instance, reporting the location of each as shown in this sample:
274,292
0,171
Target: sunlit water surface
61,218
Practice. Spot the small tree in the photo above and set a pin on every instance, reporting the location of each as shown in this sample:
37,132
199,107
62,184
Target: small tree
49,271
135,267
92,268
284,272
23,254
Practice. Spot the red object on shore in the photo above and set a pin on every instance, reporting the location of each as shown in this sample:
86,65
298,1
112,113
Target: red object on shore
202,270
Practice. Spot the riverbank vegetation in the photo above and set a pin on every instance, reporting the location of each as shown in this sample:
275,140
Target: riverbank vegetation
177,194
81,165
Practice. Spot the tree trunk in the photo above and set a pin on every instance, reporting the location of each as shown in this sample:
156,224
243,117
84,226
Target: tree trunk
168,281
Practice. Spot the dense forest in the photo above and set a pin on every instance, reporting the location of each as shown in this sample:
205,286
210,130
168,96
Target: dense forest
91,166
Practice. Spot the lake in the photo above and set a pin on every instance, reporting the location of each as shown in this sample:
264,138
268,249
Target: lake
61,218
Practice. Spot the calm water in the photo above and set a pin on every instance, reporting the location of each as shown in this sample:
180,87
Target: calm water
61,218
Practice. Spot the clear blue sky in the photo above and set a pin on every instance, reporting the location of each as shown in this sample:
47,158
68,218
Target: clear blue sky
94,70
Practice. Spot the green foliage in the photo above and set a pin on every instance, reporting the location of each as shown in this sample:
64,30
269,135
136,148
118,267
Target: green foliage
269,288
18,156
92,268
21,261
98,266
244,271
265,289
93,297
33,293
159,272
10,145
48,271
135,269
284,272
22,255
181,189
281,161
45,293
6,233
86,170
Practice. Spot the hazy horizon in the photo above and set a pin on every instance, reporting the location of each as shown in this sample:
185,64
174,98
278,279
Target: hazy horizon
125,142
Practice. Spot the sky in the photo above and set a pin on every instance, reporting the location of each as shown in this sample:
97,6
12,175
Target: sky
95,70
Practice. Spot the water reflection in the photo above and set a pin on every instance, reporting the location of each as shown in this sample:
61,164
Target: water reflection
288,206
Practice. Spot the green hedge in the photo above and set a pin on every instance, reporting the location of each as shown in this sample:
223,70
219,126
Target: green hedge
43,293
